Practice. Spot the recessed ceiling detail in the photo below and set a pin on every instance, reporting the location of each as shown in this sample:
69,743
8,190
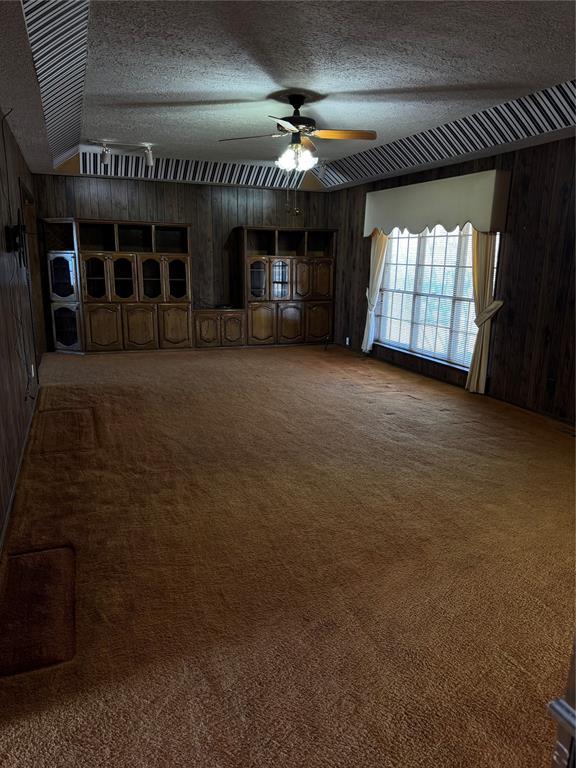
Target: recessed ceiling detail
551,109
58,35
194,171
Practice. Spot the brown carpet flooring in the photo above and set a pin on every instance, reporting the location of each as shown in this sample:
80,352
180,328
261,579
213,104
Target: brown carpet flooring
293,559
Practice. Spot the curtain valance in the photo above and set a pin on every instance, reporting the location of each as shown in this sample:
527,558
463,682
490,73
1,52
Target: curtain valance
478,198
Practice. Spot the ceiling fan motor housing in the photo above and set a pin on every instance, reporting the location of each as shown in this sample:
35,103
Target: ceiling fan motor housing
303,124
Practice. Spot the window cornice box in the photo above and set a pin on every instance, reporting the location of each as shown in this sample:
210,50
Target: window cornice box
478,198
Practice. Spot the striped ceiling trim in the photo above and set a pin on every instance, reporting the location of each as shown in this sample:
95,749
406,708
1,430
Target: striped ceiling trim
538,113
194,171
58,35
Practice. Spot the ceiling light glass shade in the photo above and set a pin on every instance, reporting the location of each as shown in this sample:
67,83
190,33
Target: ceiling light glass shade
296,158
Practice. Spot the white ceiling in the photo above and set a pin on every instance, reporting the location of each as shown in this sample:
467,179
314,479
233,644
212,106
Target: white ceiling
183,74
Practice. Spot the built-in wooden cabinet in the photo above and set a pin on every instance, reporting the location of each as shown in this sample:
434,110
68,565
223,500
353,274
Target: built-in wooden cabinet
289,279
128,285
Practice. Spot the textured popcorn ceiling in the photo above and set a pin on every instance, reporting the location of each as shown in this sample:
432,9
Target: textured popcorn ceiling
183,74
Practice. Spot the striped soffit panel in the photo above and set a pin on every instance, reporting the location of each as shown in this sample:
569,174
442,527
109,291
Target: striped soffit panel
194,171
58,35
542,112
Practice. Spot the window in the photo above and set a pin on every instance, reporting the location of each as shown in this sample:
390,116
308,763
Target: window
426,304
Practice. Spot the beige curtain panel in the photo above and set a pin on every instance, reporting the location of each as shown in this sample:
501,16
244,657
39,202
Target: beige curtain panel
377,262
483,255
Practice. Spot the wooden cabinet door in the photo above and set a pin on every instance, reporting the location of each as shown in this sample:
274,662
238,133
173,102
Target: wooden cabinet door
95,277
318,321
174,326
150,283
322,271
261,323
302,282
207,327
232,329
290,322
62,276
258,278
122,277
140,326
103,327
176,275
66,326
280,279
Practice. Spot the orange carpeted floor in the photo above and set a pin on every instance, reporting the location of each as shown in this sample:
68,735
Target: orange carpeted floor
293,558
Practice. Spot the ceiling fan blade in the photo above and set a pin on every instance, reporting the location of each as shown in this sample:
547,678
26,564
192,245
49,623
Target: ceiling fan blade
328,134
284,124
261,136
305,141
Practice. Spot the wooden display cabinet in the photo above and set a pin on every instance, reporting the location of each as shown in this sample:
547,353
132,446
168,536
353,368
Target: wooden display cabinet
220,328
289,294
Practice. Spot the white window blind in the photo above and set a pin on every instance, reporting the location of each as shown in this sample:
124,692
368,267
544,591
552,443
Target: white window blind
426,302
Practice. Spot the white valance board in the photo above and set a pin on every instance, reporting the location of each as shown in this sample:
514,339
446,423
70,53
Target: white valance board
478,198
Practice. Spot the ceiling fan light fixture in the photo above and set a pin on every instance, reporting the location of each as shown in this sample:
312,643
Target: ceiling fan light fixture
296,158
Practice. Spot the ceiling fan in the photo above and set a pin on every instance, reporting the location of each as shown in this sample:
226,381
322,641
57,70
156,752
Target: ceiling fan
301,128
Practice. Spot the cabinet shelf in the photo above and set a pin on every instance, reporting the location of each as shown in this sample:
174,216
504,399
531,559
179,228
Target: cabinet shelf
135,238
97,236
170,239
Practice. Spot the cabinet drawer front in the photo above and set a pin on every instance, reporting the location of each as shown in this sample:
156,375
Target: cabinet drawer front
103,327
140,326
174,327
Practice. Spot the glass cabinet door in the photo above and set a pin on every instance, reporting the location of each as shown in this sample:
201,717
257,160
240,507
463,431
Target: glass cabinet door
66,326
258,279
280,279
62,272
151,279
95,282
178,279
123,278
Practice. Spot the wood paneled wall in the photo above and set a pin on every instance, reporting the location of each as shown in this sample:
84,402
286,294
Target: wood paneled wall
532,350
532,353
17,352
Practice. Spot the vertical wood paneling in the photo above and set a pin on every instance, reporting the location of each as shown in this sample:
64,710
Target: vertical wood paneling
17,352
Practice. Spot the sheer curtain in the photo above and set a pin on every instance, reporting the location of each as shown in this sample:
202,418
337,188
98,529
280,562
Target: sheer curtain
483,255
377,261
